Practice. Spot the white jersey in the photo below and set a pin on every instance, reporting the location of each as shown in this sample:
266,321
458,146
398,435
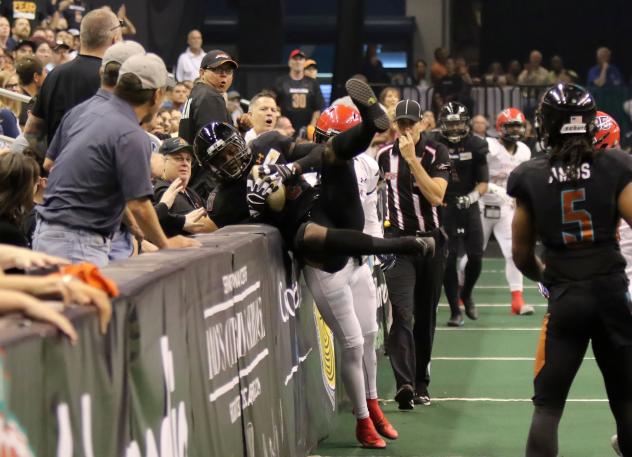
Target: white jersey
625,241
368,175
501,163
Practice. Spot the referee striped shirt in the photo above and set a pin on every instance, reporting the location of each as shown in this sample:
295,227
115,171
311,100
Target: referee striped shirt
407,208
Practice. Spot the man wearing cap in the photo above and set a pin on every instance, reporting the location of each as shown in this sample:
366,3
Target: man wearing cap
104,166
190,61
24,48
416,170
207,103
32,74
311,68
76,81
298,96
185,205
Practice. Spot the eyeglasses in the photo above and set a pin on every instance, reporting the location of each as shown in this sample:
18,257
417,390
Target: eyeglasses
121,24
220,70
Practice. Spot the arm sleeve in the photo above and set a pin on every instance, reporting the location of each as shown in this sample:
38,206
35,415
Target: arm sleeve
131,158
482,169
441,166
170,223
179,69
311,157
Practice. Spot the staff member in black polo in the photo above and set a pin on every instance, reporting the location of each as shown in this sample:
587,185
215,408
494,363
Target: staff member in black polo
416,170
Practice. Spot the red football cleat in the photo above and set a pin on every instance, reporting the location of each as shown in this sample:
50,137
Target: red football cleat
367,435
517,302
382,425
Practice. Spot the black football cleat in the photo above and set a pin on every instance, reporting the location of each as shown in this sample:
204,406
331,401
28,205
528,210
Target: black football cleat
470,308
404,397
368,104
422,398
456,320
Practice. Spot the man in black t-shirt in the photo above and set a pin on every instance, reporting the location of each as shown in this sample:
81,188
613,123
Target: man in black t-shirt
75,81
298,96
461,215
186,202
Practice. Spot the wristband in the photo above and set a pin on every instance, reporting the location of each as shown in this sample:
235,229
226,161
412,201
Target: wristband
473,196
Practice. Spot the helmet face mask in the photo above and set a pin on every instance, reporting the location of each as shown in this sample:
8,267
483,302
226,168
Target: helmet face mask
454,122
513,132
221,150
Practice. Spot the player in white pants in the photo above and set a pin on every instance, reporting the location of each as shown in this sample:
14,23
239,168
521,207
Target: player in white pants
347,299
497,208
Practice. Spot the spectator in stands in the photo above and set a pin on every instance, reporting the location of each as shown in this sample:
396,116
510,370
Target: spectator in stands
11,81
389,98
534,74
451,85
6,41
185,202
190,61
299,97
463,70
284,125
179,96
439,69
44,52
569,76
495,75
480,126
73,11
262,112
604,74
233,104
311,68
420,78
428,121
21,30
24,48
514,69
372,67
76,81
104,166
176,115
61,54
31,74
18,176
556,66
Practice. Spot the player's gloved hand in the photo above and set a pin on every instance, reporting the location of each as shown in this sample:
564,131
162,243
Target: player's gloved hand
257,192
282,171
543,290
463,202
387,261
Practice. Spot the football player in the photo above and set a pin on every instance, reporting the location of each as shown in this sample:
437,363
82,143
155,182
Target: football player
462,219
571,199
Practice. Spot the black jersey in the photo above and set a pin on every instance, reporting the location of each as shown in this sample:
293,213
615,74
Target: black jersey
227,203
298,99
576,221
468,160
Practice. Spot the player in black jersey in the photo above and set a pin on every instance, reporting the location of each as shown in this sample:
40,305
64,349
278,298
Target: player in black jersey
323,226
461,215
572,199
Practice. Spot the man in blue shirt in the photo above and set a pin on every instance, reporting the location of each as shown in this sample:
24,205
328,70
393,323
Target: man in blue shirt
604,74
104,166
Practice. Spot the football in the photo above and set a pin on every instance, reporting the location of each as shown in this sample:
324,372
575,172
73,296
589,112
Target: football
276,200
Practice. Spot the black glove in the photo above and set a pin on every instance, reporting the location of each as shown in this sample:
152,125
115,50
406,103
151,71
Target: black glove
387,261
257,193
276,170
463,202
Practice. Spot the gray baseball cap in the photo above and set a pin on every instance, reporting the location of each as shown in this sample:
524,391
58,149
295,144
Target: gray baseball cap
149,68
122,51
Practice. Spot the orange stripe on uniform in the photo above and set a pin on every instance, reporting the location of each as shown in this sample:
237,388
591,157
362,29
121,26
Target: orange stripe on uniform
540,354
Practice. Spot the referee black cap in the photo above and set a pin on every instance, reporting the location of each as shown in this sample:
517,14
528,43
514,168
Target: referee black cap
408,109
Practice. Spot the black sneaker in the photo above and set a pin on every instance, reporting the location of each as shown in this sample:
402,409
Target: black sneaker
456,320
368,105
470,308
404,397
422,398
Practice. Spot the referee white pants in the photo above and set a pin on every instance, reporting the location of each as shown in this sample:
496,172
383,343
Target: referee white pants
501,228
347,300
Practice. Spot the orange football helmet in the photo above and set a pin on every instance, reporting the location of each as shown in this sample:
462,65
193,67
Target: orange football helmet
608,132
511,125
334,120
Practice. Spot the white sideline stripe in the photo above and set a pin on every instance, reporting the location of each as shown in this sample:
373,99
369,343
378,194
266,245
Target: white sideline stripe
294,369
488,329
243,372
497,305
502,287
505,400
208,312
494,359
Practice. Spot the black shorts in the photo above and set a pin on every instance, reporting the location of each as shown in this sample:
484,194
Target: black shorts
597,311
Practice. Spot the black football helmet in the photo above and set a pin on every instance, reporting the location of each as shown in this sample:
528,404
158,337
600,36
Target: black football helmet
565,109
454,121
220,149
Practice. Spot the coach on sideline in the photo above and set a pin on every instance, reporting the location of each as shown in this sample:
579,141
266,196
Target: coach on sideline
416,170
105,164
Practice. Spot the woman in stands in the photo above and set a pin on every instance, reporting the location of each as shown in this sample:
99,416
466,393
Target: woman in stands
571,199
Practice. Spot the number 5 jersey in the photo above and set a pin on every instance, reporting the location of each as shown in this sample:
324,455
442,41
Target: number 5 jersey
576,220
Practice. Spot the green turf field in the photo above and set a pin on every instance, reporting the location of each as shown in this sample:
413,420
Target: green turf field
481,389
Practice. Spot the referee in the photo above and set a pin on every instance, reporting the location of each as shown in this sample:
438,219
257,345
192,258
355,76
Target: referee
416,170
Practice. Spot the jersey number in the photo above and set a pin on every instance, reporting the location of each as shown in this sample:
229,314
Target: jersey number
581,217
299,101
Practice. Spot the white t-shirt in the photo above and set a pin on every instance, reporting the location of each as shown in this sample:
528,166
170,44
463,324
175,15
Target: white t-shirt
501,163
188,67
368,174
250,135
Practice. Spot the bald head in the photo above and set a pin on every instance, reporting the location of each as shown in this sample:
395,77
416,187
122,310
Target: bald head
99,30
535,58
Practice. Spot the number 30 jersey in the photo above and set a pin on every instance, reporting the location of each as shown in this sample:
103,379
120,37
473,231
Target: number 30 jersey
575,220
